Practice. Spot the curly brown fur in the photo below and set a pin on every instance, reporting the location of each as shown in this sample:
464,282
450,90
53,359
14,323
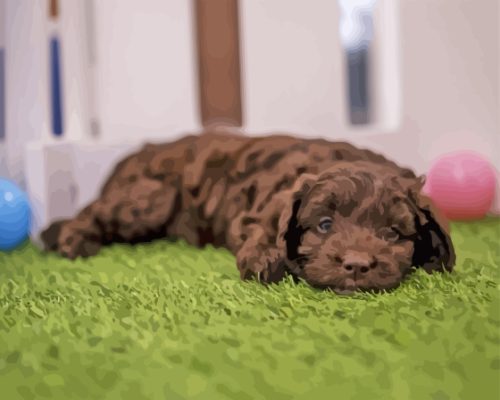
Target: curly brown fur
334,215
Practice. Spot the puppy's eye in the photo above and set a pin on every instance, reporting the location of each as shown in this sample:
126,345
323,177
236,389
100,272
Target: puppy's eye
391,234
325,224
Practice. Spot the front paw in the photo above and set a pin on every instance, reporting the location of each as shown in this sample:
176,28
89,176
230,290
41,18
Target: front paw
263,265
69,243
50,236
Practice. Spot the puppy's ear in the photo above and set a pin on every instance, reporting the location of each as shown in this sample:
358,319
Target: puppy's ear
289,229
434,249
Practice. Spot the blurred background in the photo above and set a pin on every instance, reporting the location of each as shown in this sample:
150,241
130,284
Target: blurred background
84,82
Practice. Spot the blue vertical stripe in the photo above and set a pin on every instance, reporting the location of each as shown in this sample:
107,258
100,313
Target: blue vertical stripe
358,67
2,94
56,90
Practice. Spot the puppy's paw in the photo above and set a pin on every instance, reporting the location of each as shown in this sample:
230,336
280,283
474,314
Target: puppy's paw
69,243
50,236
71,239
73,244
263,265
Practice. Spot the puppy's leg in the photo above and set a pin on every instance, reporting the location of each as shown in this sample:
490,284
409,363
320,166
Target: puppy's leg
138,211
257,259
75,237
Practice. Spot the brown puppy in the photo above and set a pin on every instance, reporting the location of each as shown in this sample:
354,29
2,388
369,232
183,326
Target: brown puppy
329,213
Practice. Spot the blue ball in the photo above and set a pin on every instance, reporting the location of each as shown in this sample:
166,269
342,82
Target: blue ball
15,215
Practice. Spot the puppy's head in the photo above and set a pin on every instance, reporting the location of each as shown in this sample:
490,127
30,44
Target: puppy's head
361,226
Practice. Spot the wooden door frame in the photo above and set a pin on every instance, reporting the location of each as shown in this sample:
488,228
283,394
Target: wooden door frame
218,51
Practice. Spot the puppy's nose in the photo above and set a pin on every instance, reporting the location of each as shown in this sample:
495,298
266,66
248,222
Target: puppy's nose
358,263
363,268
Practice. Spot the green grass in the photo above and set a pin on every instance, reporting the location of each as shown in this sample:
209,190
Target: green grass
165,320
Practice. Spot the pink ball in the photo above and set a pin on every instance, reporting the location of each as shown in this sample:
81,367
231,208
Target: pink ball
462,185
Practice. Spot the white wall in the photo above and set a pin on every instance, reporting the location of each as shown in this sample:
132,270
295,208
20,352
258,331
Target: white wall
449,68
26,103
145,79
71,32
3,161
292,71
147,84
294,68
450,80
